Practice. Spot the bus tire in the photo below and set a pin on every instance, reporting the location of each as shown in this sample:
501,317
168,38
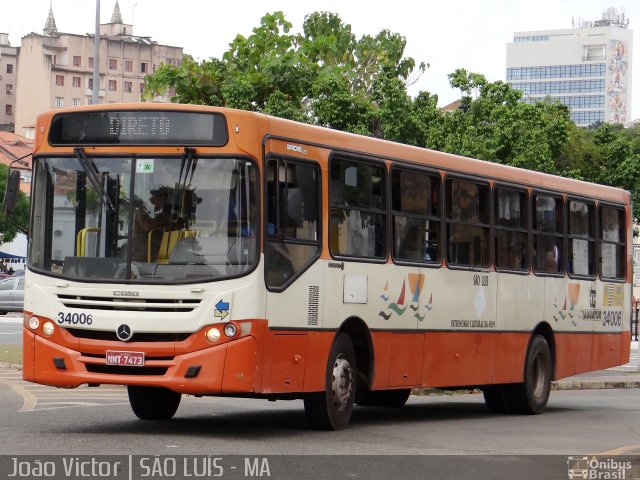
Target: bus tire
496,397
383,398
331,409
153,403
531,396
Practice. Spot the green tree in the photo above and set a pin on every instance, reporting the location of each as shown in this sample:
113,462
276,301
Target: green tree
8,229
294,76
329,77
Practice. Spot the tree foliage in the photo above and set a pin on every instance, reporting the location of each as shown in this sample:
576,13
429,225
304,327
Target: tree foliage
329,77
8,229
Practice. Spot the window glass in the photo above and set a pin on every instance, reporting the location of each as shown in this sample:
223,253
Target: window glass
468,207
467,202
358,216
416,216
548,235
547,254
548,214
612,242
166,219
7,284
581,238
511,231
510,208
293,239
612,224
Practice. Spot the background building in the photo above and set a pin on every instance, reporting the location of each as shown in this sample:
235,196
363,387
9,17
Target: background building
55,69
588,68
14,147
8,75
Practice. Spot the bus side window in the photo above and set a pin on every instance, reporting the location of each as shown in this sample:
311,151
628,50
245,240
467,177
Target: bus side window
415,206
548,234
358,209
582,238
612,237
511,229
468,227
292,222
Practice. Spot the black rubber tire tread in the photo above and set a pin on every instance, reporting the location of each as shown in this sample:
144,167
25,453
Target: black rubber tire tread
496,397
522,396
153,403
318,407
383,398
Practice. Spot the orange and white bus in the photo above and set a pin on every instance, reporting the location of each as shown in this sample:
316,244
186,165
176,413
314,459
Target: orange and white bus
180,249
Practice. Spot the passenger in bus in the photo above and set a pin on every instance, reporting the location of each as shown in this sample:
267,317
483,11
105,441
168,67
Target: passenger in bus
152,223
466,198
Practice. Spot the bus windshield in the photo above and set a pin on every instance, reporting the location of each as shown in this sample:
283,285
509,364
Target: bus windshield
144,219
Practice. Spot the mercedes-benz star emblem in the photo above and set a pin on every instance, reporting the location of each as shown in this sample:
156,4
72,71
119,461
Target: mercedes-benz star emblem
124,332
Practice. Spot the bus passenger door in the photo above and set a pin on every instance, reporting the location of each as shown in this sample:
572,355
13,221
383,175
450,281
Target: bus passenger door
293,277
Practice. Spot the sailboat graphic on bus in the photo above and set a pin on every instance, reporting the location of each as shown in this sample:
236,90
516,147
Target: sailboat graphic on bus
411,302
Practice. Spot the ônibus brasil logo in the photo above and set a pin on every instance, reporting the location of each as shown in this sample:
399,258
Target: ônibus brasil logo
598,468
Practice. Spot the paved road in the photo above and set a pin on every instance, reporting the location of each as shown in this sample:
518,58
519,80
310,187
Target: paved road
98,421
11,330
90,420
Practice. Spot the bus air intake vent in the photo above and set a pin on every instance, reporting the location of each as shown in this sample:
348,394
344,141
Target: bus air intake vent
129,304
123,370
314,295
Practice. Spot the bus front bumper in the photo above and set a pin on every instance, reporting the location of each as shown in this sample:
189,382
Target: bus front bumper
228,367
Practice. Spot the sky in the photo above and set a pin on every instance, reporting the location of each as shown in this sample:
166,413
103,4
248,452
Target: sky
445,34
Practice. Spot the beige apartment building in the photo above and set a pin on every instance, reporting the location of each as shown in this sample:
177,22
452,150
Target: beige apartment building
55,69
8,77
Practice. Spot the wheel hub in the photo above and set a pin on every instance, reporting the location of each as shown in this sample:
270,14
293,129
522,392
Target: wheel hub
341,383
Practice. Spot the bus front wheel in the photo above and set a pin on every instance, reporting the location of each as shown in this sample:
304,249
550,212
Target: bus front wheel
153,403
331,409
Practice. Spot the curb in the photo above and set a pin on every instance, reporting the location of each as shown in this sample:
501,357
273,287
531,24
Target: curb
10,366
578,385
555,385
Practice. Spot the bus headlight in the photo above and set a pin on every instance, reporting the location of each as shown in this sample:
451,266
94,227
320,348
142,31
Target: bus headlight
213,335
34,323
48,328
230,330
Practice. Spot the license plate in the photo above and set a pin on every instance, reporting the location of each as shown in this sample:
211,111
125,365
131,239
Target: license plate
131,359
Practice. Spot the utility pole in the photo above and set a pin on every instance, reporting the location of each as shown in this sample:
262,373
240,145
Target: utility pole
96,58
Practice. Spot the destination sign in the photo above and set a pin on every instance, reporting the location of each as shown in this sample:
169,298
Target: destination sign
142,127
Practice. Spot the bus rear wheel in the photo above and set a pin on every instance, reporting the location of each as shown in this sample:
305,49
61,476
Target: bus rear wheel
331,409
153,403
496,397
531,396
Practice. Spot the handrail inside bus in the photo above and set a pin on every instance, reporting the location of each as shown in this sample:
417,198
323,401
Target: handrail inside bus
81,239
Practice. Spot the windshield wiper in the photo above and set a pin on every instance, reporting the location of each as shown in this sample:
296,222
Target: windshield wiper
92,174
189,162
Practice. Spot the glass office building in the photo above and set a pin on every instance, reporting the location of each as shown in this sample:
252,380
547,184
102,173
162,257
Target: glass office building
588,68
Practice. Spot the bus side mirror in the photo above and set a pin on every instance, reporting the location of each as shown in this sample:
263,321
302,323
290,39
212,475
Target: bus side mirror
11,192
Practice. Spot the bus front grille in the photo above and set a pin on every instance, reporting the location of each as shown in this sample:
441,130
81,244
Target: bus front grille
110,335
129,304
